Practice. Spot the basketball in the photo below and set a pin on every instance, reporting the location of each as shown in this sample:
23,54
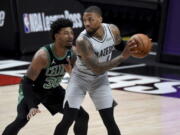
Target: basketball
144,45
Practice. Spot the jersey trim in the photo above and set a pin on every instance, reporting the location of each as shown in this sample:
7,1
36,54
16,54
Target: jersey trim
111,34
55,56
105,35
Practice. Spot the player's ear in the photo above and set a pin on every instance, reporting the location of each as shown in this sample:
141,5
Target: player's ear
56,36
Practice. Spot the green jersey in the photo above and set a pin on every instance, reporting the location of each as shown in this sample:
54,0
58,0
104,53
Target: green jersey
51,76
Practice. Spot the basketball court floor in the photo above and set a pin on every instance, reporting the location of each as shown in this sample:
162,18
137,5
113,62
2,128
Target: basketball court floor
148,96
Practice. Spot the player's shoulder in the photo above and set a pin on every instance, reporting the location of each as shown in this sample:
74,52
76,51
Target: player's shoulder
84,32
40,59
82,41
41,55
82,37
79,39
113,27
115,30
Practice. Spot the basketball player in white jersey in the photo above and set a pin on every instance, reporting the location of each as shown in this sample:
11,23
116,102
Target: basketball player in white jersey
94,47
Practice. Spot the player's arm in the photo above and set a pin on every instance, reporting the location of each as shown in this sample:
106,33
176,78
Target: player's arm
71,61
40,61
74,56
87,54
119,43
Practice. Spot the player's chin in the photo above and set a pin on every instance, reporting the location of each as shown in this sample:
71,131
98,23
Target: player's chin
68,46
89,30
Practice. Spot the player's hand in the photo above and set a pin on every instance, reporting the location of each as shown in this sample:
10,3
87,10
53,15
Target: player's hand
129,49
32,112
68,67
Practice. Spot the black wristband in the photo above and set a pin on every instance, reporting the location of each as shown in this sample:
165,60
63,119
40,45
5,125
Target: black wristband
29,95
120,46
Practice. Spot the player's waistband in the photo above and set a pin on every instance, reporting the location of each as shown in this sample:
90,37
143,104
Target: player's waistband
76,69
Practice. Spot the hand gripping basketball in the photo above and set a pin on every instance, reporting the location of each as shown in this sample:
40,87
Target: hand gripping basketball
144,45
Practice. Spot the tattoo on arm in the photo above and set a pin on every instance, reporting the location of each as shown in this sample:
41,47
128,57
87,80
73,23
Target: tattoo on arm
87,54
116,33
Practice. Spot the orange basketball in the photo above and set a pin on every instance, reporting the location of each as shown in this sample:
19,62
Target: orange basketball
144,45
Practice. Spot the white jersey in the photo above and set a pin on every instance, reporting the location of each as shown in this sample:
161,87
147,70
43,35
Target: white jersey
83,80
102,48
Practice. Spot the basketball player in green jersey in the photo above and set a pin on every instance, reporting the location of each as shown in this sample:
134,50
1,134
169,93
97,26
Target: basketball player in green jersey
41,83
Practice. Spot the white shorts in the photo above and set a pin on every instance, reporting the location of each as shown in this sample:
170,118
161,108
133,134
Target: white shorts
97,86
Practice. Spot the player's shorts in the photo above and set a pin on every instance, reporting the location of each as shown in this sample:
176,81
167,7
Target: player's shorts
53,100
97,86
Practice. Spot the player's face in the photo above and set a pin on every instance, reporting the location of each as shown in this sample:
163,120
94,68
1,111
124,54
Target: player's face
65,37
92,21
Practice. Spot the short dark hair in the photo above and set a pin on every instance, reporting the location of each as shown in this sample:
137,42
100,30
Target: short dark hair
94,9
57,25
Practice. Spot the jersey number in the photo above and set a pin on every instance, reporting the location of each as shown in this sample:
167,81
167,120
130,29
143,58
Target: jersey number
52,82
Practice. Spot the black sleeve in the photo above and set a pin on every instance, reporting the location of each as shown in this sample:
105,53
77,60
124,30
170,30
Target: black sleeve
120,46
29,95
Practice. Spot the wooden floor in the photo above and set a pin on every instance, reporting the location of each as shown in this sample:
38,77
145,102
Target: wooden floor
136,114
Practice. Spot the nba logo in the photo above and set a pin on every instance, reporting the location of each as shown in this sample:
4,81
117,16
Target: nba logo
27,28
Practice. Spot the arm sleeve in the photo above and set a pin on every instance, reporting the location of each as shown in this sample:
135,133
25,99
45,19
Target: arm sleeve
120,46
29,95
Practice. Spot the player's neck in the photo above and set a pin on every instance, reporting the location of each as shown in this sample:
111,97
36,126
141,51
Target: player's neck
99,34
59,50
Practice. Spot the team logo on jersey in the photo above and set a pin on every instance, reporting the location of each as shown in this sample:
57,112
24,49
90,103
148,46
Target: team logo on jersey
55,70
53,62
